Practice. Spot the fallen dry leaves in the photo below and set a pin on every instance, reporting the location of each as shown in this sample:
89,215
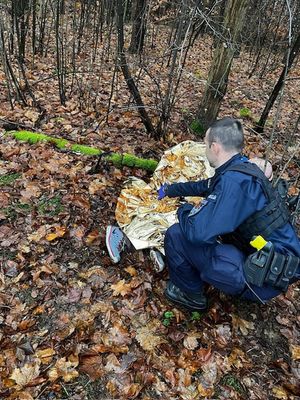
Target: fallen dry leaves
121,288
295,350
242,325
147,336
24,375
65,369
71,321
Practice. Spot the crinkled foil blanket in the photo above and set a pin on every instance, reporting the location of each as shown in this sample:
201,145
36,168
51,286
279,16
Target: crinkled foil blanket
142,217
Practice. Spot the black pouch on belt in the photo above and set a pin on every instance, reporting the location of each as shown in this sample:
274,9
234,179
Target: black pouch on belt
282,270
269,267
257,265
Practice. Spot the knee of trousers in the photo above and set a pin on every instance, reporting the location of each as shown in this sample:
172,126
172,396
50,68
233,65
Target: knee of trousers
225,270
173,236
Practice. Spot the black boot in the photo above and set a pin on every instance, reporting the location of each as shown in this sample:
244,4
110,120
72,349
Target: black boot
191,301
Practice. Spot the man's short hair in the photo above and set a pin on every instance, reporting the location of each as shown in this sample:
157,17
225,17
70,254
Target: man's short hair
228,132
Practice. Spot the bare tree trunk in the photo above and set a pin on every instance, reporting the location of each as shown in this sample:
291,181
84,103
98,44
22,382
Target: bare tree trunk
218,76
138,26
42,26
98,28
62,7
19,10
60,54
33,39
181,44
12,81
127,74
277,88
81,26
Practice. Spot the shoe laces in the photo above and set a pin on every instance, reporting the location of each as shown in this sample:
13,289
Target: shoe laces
121,245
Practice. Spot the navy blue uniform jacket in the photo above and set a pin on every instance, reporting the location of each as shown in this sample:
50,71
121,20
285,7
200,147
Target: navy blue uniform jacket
234,198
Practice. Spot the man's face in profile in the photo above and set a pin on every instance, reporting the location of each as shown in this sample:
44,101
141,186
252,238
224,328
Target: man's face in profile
210,150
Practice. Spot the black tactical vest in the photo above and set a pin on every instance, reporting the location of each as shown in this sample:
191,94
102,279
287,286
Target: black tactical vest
273,216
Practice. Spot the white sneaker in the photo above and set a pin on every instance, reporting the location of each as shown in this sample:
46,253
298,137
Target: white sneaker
157,259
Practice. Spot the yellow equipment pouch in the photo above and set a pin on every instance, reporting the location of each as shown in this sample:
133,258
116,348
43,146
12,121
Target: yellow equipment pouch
258,242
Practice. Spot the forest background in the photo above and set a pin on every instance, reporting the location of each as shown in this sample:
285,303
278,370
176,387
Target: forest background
133,77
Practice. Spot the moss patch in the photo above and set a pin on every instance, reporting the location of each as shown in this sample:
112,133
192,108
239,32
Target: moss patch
245,113
89,151
50,206
197,128
118,160
12,211
8,179
233,382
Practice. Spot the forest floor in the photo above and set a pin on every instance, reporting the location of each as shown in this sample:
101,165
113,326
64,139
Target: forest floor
73,325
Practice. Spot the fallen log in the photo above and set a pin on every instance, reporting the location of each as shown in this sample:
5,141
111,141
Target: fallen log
119,160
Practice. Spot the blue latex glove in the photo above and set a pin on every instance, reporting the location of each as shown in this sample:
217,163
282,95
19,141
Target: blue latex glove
162,191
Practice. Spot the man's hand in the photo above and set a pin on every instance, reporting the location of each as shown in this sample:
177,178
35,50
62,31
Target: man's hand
162,191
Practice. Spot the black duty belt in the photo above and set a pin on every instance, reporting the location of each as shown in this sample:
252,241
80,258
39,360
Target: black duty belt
268,267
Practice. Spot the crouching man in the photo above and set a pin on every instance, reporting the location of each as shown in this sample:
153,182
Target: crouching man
211,242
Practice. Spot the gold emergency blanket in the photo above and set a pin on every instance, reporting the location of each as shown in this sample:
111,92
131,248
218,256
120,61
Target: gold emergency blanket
142,217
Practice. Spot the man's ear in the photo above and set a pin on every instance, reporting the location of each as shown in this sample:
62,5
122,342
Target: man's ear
216,147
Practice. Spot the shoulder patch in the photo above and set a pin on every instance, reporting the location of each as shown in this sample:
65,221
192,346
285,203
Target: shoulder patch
197,208
212,197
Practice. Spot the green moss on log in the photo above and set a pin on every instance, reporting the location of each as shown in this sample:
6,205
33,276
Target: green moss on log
89,151
119,160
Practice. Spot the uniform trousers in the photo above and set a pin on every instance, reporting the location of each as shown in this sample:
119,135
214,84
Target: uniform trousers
220,265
